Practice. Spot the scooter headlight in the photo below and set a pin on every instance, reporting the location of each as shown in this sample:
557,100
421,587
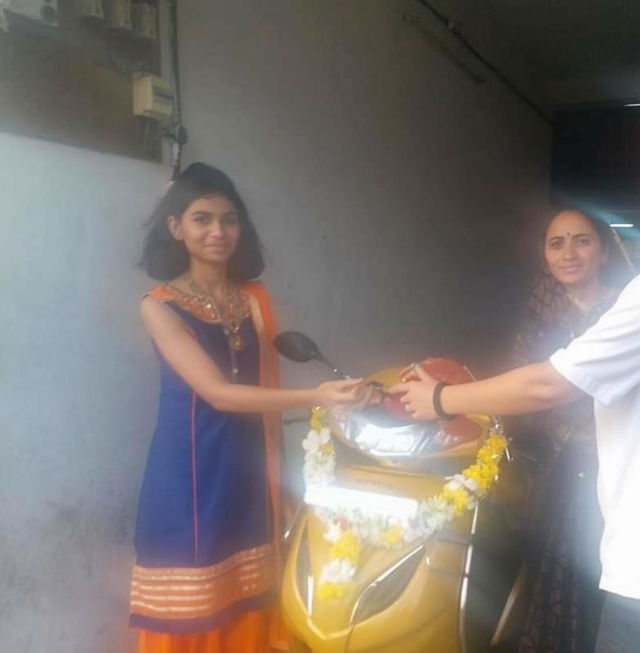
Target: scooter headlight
400,441
386,589
382,435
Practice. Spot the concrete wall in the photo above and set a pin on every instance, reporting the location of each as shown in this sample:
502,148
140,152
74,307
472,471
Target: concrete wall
77,393
395,196
392,192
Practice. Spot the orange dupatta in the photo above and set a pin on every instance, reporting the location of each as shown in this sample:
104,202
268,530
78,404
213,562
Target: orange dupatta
265,325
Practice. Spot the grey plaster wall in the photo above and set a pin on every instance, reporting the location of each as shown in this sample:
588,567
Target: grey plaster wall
396,197
77,393
394,194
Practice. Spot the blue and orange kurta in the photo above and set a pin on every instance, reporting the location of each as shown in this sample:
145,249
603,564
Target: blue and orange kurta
208,516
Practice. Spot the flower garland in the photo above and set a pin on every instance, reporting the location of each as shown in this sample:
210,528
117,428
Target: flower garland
351,529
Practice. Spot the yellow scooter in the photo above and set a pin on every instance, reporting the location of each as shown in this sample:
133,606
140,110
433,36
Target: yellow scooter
452,592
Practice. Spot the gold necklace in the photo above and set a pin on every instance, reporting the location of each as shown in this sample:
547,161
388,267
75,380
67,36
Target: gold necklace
230,311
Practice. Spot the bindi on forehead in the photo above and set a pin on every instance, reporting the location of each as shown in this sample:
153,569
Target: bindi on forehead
569,235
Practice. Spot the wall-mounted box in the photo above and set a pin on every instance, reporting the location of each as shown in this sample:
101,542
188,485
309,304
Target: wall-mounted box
144,17
43,10
120,15
90,9
152,97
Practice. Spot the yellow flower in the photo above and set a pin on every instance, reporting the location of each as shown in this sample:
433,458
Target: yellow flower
392,535
483,475
496,444
485,471
331,590
458,498
347,546
318,420
490,454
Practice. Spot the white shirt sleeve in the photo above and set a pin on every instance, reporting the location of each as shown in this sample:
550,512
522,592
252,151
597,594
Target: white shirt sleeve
604,362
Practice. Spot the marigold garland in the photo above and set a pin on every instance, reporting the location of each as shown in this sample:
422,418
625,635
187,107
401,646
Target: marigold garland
350,530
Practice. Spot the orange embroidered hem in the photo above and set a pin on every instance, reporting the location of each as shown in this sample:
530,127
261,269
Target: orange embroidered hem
194,593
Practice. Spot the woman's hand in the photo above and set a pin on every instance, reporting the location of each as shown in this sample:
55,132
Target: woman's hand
417,392
347,392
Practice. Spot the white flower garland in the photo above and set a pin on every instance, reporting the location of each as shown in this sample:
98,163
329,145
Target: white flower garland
349,529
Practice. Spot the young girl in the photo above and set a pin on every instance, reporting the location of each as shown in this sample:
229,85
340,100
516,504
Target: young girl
209,524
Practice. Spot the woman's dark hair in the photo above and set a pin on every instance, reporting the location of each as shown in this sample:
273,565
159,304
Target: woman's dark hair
165,258
617,271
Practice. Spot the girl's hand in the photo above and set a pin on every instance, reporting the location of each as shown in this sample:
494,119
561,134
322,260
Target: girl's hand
371,394
347,392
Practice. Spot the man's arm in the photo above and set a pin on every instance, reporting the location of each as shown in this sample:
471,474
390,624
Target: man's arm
604,362
523,390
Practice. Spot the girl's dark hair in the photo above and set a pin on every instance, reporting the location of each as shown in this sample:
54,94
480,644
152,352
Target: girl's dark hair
616,272
165,258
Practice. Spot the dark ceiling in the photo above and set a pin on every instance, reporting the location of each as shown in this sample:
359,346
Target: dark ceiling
558,39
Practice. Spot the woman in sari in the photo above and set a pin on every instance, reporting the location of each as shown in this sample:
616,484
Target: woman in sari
209,517
585,269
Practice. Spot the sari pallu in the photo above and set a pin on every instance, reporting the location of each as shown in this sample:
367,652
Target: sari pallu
563,602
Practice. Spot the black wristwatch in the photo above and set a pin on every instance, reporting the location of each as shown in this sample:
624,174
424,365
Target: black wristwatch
437,404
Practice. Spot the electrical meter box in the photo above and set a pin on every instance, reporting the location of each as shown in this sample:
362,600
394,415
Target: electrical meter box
90,9
144,18
43,10
152,97
120,15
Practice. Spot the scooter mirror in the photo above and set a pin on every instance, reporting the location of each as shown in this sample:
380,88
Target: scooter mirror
300,348
297,347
